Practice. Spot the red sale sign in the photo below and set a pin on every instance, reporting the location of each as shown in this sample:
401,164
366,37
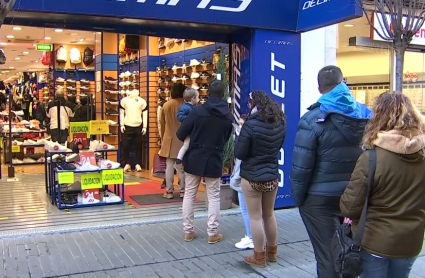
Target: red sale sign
80,139
87,157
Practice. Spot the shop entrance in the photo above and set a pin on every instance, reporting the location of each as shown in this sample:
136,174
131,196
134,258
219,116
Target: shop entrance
121,64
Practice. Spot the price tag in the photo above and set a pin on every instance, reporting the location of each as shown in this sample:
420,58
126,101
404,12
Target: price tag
16,148
91,181
99,127
79,127
65,177
115,176
87,157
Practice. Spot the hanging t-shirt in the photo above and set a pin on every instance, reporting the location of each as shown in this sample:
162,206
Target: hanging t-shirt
75,56
61,55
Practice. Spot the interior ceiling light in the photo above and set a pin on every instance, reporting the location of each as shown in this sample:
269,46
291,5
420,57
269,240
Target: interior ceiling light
80,40
3,43
11,67
16,28
25,52
348,25
58,30
17,58
47,38
10,36
74,34
36,61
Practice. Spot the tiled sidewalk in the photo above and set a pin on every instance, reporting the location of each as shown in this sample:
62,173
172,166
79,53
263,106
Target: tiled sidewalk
158,250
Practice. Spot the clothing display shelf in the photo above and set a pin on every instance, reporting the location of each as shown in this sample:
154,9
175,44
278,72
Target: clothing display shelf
23,147
55,194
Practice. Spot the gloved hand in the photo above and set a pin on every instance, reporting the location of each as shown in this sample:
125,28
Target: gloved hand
143,131
122,128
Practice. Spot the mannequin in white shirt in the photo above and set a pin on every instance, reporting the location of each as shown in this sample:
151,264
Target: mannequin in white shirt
133,123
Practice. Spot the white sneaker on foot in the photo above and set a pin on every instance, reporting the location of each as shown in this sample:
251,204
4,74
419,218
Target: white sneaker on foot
127,168
138,168
245,243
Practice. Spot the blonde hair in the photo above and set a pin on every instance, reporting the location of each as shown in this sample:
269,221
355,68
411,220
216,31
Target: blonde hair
392,111
190,93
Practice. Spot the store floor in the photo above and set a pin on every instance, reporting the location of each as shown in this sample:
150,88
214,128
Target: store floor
26,209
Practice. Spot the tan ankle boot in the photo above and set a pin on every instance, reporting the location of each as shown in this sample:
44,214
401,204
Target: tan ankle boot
271,253
258,259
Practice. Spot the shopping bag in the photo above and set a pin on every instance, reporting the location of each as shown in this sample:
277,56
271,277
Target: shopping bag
159,166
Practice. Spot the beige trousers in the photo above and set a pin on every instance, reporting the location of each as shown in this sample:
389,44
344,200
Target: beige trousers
169,177
212,188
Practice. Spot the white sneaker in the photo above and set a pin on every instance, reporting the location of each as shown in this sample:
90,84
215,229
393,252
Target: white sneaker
89,199
16,161
80,198
108,164
84,81
194,63
16,143
87,167
195,75
55,147
138,168
122,75
110,122
123,84
127,74
109,197
85,88
127,168
195,86
29,160
100,146
72,157
245,243
30,142
60,79
25,122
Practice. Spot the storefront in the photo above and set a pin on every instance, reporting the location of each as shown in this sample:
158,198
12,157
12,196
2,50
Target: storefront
366,60
262,40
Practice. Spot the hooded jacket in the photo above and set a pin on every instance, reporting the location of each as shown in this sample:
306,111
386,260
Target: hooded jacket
209,127
395,218
327,145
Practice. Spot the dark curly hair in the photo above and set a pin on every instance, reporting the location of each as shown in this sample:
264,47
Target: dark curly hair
268,109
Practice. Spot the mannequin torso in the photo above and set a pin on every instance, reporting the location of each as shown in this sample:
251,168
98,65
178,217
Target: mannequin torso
133,108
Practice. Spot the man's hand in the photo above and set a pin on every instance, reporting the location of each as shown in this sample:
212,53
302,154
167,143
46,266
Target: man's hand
144,131
122,128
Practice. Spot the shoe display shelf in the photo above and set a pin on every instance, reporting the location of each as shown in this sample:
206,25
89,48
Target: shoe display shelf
54,187
19,142
76,83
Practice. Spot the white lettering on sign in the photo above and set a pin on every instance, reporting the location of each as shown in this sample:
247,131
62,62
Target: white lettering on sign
203,5
277,88
314,3
378,23
236,74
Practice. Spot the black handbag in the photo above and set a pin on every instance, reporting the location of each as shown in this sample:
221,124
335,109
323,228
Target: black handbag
345,249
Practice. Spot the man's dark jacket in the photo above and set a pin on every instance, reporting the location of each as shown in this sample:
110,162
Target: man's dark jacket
258,147
327,146
209,127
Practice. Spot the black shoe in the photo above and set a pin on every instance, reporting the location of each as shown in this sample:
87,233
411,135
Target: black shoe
204,87
161,46
185,77
110,78
161,80
205,75
163,61
158,69
205,62
166,68
160,91
110,111
161,39
167,78
218,51
111,100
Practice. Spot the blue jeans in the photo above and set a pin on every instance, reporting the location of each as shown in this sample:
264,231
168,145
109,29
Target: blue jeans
374,267
245,215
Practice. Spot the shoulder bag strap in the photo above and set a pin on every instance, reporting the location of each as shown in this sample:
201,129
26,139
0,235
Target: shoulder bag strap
361,226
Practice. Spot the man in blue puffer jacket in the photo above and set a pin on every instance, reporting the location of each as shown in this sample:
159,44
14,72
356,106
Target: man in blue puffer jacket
327,146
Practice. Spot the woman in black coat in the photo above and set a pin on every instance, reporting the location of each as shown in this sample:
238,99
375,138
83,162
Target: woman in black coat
258,146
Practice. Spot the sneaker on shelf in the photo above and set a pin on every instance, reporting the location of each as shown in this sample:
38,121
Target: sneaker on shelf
89,199
29,160
205,62
87,167
135,73
176,78
110,197
123,92
110,122
161,45
17,161
108,164
110,100
110,111
112,92
55,147
59,87
205,75
127,168
161,80
25,122
177,40
166,68
55,158
30,142
195,86
204,87
158,69
203,100
71,88
185,65
110,80
160,91
194,63
176,66
80,198
245,243
128,83
63,166
127,74
194,75
71,81
185,77
84,81
169,43
72,157
85,88
60,80
123,84
100,146
17,143
167,90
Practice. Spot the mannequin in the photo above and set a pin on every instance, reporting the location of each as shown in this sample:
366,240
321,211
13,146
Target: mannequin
133,123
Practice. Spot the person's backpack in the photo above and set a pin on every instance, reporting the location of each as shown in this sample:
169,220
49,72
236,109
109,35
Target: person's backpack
345,250
46,58
75,56
88,56
61,55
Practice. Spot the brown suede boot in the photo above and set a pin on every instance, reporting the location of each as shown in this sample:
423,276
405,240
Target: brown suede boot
271,253
258,259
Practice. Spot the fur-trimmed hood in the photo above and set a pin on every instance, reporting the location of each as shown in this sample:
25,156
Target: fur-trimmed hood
401,142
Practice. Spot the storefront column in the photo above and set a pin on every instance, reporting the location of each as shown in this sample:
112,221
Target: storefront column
318,49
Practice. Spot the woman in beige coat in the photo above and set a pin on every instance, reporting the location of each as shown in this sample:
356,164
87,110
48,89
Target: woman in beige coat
170,144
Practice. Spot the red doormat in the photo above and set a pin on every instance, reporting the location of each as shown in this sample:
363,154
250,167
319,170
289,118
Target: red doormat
145,188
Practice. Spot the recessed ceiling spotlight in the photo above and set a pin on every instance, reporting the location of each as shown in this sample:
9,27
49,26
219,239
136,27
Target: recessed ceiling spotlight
58,30
34,44
3,43
25,52
36,61
11,67
348,25
74,34
47,38
10,36
30,69
17,58
80,40
16,28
